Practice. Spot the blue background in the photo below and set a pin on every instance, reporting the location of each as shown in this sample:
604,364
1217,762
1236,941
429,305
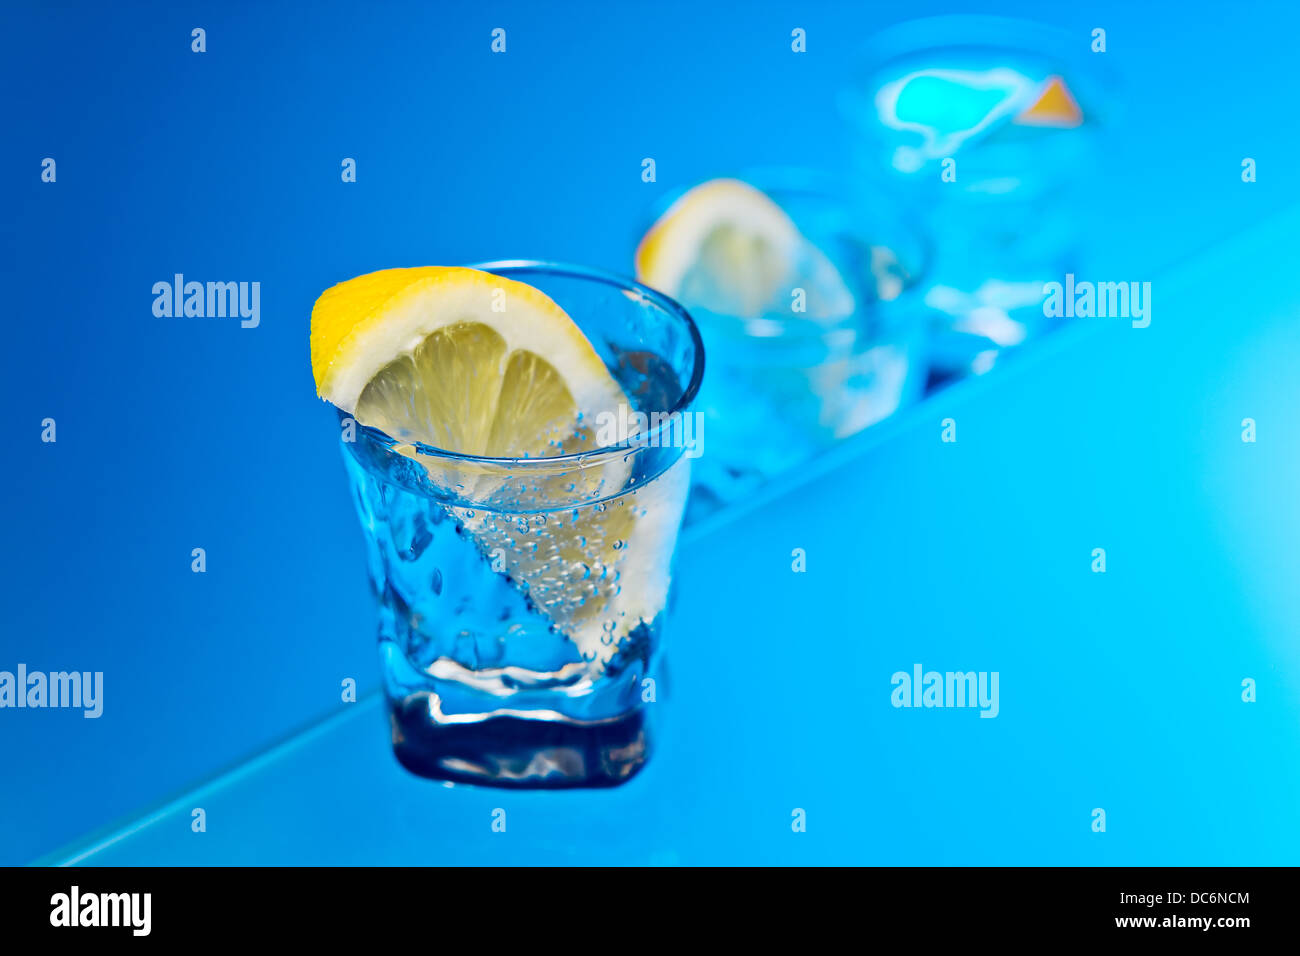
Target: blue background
1118,690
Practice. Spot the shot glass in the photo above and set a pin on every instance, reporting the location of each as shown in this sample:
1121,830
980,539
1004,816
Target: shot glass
785,385
988,129
522,601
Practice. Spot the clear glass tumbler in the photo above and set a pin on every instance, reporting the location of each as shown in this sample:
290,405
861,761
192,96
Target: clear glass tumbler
785,385
522,601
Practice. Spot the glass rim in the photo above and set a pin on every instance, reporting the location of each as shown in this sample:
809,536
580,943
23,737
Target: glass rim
580,459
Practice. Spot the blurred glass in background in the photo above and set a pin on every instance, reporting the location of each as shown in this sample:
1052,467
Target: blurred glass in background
809,306
826,306
985,129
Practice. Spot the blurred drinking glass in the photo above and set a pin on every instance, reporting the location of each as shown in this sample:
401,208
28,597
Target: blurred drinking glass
986,128
808,305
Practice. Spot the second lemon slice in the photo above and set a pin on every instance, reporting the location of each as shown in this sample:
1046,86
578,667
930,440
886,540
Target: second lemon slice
723,239
727,247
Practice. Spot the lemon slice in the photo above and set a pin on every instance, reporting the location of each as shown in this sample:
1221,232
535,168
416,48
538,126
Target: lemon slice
599,572
471,362
721,240
727,247
460,359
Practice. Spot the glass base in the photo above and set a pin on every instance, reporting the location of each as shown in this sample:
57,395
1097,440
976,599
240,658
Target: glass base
516,752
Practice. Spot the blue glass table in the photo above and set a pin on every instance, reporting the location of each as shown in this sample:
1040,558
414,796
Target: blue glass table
1120,691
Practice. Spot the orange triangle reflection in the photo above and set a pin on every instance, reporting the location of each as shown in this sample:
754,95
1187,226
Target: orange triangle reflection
1055,107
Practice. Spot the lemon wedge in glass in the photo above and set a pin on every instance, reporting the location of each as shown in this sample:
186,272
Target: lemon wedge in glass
461,360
